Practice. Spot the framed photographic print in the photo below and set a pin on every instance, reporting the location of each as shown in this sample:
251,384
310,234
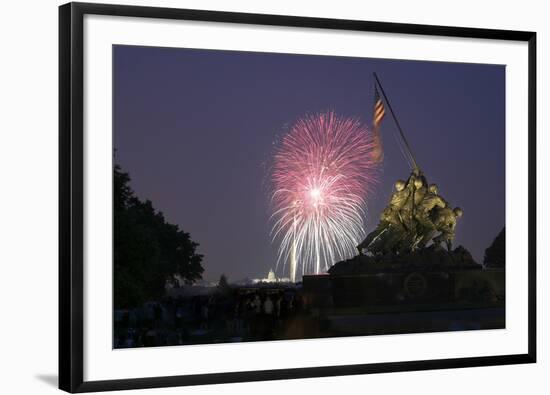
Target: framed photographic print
258,197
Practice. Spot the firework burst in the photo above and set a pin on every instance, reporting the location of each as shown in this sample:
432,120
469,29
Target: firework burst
322,171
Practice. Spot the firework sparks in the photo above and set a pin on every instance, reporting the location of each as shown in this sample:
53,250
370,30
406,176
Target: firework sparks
322,172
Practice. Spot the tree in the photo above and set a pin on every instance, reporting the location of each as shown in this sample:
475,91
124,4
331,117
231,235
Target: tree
495,255
149,252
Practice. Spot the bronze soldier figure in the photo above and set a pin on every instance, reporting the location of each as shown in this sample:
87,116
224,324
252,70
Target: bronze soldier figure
417,186
445,222
425,228
415,213
390,219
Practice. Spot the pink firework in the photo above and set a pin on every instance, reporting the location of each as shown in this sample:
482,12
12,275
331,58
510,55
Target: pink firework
322,172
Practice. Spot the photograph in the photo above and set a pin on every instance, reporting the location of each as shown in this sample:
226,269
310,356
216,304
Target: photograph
263,196
271,197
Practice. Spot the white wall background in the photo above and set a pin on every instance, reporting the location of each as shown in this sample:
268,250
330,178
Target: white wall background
28,194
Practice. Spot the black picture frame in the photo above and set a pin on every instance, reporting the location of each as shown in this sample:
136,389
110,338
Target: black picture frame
71,205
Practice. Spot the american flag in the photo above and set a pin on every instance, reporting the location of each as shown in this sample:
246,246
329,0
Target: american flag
379,110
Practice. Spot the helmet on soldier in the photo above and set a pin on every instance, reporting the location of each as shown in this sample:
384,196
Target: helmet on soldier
433,189
399,185
418,183
458,212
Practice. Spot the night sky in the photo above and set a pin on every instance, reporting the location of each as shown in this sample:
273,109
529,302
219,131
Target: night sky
196,131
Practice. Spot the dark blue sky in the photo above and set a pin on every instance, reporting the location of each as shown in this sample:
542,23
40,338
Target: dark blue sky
195,129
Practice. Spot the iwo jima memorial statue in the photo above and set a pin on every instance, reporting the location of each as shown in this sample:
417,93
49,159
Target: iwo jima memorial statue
407,277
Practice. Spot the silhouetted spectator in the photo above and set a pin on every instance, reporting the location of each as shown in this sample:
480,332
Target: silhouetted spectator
268,306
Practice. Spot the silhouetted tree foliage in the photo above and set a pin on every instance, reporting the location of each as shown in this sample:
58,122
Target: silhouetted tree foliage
148,251
495,255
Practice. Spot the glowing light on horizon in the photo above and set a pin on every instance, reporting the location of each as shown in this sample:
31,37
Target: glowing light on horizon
322,172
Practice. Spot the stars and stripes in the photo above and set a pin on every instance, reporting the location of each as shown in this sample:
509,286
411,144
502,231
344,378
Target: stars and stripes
379,110
378,115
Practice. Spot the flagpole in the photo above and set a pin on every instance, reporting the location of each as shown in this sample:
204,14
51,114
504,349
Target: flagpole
416,168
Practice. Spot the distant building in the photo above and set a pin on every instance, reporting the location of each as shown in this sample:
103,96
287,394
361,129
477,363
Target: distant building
271,278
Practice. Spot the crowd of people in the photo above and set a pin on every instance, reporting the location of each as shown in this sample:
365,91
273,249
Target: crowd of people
232,314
